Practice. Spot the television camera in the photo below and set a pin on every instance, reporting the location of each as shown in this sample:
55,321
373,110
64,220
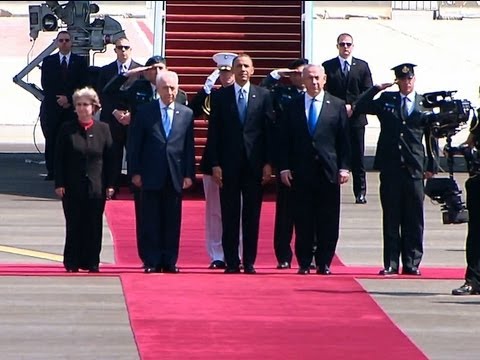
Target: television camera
446,116
85,36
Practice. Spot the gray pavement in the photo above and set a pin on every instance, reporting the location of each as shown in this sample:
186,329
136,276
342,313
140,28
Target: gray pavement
80,318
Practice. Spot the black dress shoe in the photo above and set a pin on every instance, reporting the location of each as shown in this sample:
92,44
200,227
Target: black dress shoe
171,269
388,271
465,289
283,265
217,264
72,270
94,269
232,270
249,269
361,199
411,271
303,271
150,270
324,270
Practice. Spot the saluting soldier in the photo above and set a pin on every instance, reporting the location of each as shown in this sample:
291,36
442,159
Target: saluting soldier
400,158
282,94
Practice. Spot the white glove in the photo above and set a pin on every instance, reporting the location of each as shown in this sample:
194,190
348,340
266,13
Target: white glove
210,82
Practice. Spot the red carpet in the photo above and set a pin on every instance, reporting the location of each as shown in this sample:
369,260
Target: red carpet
200,313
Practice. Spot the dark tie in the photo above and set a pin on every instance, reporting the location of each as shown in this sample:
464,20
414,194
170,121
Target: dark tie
312,117
64,67
242,105
345,68
166,122
404,108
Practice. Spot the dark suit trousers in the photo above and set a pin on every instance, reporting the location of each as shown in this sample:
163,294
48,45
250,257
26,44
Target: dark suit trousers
472,187
84,229
316,215
282,236
247,188
402,203
161,220
137,200
119,137
357,144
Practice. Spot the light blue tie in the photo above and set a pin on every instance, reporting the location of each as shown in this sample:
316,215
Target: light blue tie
167,124
242,105
312,117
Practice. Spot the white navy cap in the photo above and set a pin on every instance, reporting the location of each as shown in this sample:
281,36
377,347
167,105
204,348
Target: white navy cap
224,60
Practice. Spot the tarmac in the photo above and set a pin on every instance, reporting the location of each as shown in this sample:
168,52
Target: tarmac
43,317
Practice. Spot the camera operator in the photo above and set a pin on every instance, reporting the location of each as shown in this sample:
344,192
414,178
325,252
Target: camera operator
472,187
400,158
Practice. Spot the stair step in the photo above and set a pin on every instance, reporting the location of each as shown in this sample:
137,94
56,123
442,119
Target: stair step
267,63
231,4
223,45
244,18
231,27
291,54
230,36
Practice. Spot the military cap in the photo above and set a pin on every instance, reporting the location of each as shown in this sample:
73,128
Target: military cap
156,59
296,63
224,60
404,70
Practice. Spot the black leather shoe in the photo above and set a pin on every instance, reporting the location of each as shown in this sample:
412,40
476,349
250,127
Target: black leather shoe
249,269
171,269
72,270
283,265
388,271
465,289
303,271
361,199
150,270
94,269
232,270
217,264
411,271
324,270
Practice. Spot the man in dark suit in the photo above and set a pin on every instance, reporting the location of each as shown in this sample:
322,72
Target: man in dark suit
347,78
138,87
314,162
240,154
201,105
115,104
400,158
62,73
162,157
281,95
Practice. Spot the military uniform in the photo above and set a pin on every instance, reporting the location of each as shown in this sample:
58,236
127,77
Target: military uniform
400,158
283,231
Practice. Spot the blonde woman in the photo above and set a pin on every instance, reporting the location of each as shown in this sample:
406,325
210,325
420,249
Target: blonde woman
84,179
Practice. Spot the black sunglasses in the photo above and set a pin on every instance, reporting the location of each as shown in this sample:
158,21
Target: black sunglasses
122,47
63,40
346,44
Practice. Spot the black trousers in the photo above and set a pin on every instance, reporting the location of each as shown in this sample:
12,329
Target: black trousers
119,138
84,229
137,201
282,236
402,199
472,187
240,192
161,213
317,216
357,144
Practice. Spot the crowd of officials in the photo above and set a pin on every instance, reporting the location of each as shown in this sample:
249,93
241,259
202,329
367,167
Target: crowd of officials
305,124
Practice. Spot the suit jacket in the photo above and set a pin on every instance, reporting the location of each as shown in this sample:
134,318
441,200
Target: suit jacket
84,157
113,99
351,87
155,157
53,85
329,146
400,141
231,142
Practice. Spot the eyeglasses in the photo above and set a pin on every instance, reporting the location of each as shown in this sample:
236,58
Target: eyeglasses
83,104
63,40
345,44
122,47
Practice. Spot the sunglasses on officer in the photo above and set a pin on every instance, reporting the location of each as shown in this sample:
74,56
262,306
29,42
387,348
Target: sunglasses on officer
345,44
122,47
